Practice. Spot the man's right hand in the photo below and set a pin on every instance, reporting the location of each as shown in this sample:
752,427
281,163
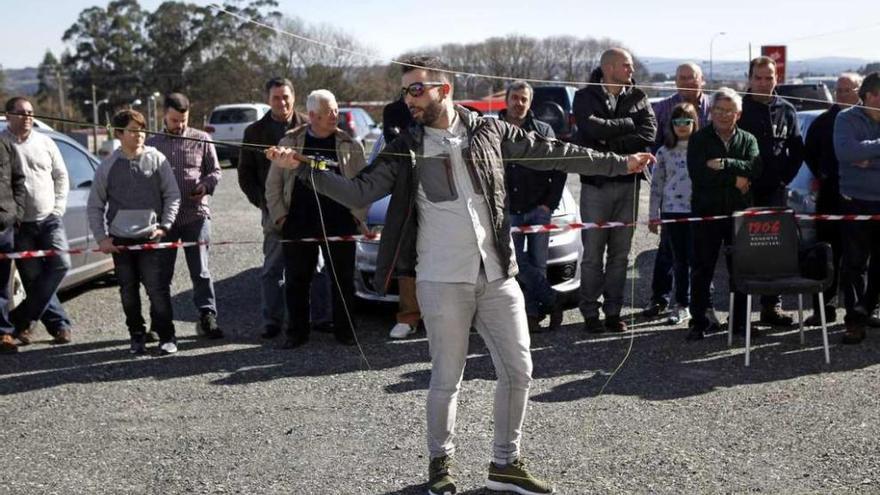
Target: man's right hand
637,162
281,221
743,184
283,157
106,246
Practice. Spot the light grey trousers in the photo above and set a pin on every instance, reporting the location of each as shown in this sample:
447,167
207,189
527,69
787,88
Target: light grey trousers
497,311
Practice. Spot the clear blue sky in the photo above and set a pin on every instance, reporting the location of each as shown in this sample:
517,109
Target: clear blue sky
683,29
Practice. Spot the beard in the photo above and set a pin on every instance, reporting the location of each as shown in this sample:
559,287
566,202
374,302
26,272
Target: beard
429,114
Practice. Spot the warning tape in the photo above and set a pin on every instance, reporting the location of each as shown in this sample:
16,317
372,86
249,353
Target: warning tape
374,236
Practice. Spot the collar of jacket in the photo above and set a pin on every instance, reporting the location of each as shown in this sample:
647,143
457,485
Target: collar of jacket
468,118
301,130
297,120
596,86
528,122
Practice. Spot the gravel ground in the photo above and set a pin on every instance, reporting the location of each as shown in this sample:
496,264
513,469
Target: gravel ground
241,416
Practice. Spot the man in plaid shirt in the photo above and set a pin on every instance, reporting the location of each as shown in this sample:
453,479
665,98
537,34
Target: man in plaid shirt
197,170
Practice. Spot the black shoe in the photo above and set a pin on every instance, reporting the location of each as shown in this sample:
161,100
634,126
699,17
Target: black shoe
615,324
873,322
151,337
208,326
271,331
774,317
695,333
345,339
294,341
594,325
855,334
653,309
324,327
740,331
556,318
814,320
138,344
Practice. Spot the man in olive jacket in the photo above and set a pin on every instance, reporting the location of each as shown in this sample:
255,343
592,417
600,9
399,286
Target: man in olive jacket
448,211
12,198
722,162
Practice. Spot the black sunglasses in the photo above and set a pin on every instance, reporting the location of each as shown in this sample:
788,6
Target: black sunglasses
417,89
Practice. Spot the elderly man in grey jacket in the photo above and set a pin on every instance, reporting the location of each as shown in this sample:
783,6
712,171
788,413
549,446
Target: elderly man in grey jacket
447,222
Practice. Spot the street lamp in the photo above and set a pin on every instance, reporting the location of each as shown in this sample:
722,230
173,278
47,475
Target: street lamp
711,68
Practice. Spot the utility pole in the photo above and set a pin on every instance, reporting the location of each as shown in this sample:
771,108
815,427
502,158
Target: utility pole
60,91
95,118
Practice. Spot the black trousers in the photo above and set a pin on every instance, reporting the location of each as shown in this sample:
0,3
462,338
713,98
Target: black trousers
861,247
828,202
299,261
709,237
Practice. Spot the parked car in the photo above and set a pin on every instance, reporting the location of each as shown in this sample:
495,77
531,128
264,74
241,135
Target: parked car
813,91
81,167
555,106
563,265
227,124
358,123
802,191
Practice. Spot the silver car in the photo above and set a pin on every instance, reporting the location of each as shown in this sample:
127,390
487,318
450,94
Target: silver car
803,189
81,167
563,268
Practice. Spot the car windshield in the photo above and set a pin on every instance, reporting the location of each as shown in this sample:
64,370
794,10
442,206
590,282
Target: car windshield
233,116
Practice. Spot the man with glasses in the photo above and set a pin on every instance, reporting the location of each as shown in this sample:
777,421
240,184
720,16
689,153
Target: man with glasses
774,123
723,160
820,157
41,226
447,222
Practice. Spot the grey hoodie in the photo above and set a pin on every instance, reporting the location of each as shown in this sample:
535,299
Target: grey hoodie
146,183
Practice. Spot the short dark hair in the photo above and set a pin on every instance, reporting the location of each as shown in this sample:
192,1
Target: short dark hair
518,86
761,61
122,118
177,101
435,67
871,84
682,110
279,82
15,100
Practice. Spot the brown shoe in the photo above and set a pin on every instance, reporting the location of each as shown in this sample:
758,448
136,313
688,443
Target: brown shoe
615,324
7,344
62,336
534,324
855,334
25,336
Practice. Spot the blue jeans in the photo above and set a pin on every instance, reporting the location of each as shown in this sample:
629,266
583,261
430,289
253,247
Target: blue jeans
6,246
42,276
532,261
272,275
196,261
134,268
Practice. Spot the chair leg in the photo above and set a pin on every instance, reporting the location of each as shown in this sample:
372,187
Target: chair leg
824,328
801,315
748,326
730,322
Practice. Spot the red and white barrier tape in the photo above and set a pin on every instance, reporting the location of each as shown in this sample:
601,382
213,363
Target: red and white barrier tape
374,236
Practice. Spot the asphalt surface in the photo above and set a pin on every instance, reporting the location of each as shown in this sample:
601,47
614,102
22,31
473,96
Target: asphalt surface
241,416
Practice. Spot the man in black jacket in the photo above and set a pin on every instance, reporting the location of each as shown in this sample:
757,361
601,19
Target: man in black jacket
12,198
773,121
611,116
533,196
820,157
253,167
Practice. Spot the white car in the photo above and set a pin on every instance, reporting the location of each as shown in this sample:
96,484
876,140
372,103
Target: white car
227,124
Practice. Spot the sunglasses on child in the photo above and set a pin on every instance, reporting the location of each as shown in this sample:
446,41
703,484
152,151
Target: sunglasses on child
417,89
682,122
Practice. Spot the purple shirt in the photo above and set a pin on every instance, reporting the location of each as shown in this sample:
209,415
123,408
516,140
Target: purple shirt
663,112
194,163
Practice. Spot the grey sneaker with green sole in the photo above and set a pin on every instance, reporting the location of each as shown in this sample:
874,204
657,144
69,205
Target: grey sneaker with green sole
440,481
513,477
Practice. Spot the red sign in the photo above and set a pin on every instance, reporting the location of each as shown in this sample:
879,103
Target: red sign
777,53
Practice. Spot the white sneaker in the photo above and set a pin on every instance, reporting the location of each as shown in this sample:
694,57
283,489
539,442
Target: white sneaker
402,331
679,315
166,348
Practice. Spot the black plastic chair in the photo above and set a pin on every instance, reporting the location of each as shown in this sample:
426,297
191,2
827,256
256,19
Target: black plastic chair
768,259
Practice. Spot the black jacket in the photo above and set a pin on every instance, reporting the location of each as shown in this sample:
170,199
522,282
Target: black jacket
819,148
775,126
396,118
490,142
12,191
628,128
528,189
253,166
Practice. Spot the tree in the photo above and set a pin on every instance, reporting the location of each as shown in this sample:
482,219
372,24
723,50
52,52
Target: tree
3,94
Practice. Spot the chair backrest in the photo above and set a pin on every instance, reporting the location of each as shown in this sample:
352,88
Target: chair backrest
765,246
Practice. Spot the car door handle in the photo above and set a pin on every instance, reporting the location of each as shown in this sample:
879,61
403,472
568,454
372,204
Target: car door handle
83,184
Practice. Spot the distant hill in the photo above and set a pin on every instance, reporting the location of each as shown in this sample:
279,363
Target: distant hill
21,81
735,70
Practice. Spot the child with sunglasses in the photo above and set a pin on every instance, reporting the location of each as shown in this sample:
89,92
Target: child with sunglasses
671,199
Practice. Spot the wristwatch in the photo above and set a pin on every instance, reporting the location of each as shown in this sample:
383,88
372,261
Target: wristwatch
721,164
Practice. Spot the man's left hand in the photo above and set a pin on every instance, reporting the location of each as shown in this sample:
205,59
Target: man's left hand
637,162
199,192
